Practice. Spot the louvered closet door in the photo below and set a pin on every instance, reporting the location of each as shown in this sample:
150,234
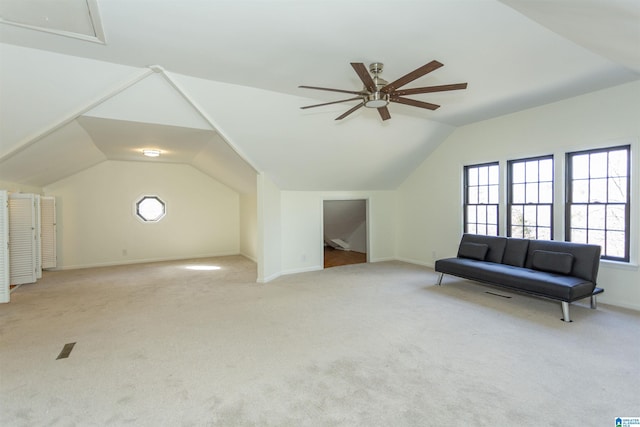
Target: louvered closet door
4,251
48,231
22,239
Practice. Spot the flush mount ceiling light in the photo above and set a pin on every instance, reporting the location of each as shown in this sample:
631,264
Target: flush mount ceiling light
151,152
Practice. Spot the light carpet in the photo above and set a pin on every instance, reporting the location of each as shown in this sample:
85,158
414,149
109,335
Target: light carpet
377,344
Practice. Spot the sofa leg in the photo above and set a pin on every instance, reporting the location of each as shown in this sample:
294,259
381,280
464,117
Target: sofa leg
594,302
565,311
440,279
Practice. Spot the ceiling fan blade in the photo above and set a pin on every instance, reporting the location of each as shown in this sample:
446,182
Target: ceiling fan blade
329,103
414,103
429,89
364,75
407,78
384,113
342,116
331,90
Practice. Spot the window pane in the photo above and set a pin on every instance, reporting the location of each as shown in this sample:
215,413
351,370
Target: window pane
517,215
532,192
472,175
531,171
615,244
617,190
616,217
518,193
517,231
598,165
580,166
483,194
530,215
492,230
493,195
517,172
546,192
494,175
481,229
492,215
618,163
482,214
471,228
471,214
578,235
596,217
580,192
598,191
546,170
472,196
544,216
544,233
483,175
579,216
596,237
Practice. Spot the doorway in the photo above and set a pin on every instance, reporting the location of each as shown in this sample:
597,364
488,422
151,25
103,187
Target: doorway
345,232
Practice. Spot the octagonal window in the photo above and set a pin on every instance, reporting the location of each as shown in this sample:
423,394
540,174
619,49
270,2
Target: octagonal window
150,208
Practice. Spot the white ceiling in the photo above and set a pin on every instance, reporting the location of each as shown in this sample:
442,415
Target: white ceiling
226,98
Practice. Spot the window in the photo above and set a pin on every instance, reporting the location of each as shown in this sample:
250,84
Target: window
530,198
481,200
150,208
597,209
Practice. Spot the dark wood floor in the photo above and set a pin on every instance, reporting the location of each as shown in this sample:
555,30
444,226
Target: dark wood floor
335,257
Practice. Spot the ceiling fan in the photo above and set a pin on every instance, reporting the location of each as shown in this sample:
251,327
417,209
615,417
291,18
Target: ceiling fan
378,93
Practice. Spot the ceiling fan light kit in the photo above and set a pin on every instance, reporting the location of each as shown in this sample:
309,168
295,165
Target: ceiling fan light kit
378,93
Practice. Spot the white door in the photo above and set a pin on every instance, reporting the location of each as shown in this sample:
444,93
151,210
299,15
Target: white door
22,239
4,247
48,231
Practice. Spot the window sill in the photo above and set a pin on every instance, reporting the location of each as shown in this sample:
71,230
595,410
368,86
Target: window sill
619,265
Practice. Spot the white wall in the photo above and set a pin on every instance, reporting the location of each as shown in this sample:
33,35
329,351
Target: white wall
249,226
302,239
269,230
97,224
429,221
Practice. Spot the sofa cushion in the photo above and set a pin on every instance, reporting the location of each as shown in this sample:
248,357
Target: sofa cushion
585,257
553,262
496,245
473,250
515,252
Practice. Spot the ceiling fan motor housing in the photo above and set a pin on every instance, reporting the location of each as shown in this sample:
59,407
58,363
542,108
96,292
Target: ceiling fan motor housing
376,99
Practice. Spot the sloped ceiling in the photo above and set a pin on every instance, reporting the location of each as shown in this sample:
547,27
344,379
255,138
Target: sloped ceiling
225,97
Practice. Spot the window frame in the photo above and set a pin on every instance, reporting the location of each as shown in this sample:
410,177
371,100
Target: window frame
569,203
140,217
510,195
467,205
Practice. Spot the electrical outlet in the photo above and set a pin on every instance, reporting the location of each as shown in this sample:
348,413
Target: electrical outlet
433,254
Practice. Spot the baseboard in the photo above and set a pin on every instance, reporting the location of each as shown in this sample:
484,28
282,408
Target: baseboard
140,261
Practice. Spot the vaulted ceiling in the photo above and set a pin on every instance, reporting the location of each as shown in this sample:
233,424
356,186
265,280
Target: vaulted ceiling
215,83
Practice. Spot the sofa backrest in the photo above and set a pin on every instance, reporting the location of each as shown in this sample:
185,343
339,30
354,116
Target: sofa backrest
584,263
515,253
495,244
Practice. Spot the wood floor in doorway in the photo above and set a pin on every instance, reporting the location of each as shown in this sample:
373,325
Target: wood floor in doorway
335,257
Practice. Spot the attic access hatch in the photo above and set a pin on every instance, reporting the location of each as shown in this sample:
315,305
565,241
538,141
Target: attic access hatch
79,19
